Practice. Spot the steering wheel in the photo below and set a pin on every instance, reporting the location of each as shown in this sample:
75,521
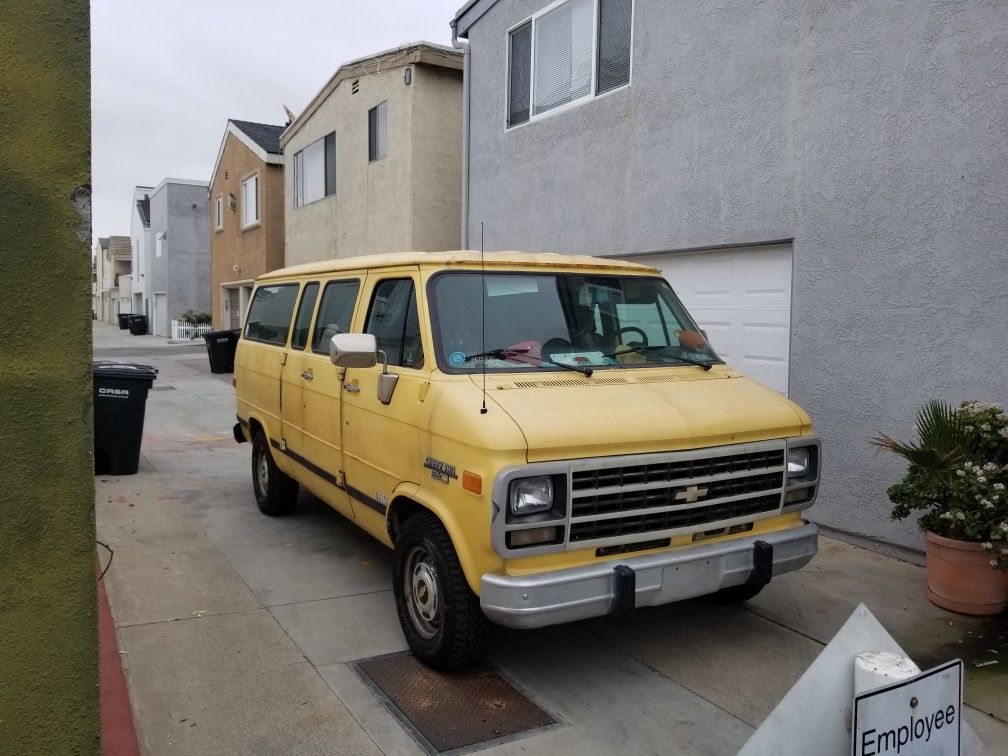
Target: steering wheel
635,329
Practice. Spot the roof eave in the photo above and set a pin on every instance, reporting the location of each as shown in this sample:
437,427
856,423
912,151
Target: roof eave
469,14
421,52
270,158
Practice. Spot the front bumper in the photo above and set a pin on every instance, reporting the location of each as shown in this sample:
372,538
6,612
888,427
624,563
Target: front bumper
549,598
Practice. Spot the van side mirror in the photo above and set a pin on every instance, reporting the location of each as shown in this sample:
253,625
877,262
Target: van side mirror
353,350
361,350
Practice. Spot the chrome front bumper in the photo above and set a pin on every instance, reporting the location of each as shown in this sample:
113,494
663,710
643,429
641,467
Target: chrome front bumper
549,598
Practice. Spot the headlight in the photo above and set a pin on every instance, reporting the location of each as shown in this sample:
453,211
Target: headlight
530,495
798,462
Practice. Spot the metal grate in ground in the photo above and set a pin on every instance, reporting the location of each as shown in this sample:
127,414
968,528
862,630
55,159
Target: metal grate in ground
449,711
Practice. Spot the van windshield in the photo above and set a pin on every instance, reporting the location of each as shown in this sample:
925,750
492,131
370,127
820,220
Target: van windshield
534,321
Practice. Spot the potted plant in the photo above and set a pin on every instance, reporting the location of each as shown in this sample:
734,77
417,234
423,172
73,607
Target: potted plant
957,480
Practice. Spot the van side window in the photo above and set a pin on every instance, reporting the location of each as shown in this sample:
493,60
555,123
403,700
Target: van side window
300,336
269,315
392,318
335,312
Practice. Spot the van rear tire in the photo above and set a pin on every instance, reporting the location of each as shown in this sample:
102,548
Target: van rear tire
275,492
439,614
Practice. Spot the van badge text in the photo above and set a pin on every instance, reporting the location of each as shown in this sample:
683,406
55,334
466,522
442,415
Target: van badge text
440,470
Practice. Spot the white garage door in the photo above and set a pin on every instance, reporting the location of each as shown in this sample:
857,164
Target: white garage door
160,315
742,298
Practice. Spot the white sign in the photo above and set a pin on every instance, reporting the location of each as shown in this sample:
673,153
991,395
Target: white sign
920,715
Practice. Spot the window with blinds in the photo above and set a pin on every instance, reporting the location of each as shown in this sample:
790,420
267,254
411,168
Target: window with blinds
315,171
568,52
613,58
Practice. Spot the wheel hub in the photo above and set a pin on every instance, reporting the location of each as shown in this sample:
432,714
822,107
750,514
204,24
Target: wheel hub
262,477
425,591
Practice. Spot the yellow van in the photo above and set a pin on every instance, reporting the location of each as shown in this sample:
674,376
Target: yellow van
540,438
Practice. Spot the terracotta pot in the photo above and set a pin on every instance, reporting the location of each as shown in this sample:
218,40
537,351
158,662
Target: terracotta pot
961,579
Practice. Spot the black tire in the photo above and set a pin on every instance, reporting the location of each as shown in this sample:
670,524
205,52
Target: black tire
736,594
275,492
444,627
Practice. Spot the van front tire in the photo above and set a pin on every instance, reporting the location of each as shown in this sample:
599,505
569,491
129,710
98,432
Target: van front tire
440,616
736,594
275,492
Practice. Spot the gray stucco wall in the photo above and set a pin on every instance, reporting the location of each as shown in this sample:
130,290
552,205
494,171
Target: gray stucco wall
183,270
872,133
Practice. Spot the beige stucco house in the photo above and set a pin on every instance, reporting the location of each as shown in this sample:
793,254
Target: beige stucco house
246,216
373,163
111,285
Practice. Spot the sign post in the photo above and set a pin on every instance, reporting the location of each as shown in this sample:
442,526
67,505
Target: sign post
919,715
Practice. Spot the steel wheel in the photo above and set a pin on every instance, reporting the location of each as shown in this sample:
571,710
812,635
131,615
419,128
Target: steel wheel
262,475
275,492
424,601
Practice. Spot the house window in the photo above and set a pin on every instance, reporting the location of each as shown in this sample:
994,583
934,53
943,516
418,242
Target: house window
315,171
250,200
219,212
377,131
159,243
568,52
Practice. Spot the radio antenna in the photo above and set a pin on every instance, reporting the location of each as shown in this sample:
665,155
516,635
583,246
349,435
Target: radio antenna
483,409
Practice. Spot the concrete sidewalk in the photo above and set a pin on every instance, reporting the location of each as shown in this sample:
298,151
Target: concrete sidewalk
236,629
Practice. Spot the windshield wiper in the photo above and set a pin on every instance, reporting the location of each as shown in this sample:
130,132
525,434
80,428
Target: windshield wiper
501,353
627,348
585,371
699,363
641,349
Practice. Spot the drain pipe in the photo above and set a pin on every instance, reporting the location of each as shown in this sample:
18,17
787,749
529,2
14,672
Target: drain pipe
463,45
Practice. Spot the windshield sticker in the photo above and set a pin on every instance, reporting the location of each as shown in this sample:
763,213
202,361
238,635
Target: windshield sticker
457,358
440,470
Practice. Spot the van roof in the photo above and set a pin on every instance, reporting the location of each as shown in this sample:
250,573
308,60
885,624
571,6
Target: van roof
460,258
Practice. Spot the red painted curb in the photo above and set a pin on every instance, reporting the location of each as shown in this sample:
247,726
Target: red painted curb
118,735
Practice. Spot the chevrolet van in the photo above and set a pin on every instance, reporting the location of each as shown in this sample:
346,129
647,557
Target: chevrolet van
539,438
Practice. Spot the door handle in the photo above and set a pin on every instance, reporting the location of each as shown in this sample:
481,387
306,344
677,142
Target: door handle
351,387
308,375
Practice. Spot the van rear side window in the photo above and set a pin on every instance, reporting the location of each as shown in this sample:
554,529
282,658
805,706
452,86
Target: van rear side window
269,315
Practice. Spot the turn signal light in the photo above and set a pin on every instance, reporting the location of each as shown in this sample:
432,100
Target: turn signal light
472,482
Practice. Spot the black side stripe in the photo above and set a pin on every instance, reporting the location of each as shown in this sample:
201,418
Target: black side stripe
366,500
306,463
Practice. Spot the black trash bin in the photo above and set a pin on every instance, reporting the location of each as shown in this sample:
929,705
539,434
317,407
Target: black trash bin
221,347
138,325
124,320
120,399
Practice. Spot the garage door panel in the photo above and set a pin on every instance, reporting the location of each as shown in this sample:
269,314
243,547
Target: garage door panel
765,343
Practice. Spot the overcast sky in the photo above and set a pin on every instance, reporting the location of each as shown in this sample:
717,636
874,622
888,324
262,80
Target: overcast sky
167,75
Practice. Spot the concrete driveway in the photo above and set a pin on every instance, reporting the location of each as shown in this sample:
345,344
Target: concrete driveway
235,630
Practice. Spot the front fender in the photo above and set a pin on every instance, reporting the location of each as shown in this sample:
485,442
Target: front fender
468,527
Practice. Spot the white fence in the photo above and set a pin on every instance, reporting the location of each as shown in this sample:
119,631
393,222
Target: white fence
180,330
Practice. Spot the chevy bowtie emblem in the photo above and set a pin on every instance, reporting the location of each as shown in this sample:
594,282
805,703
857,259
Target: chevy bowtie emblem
691,494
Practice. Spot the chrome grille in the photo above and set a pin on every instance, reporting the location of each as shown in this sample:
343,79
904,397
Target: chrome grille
629,475
676,491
